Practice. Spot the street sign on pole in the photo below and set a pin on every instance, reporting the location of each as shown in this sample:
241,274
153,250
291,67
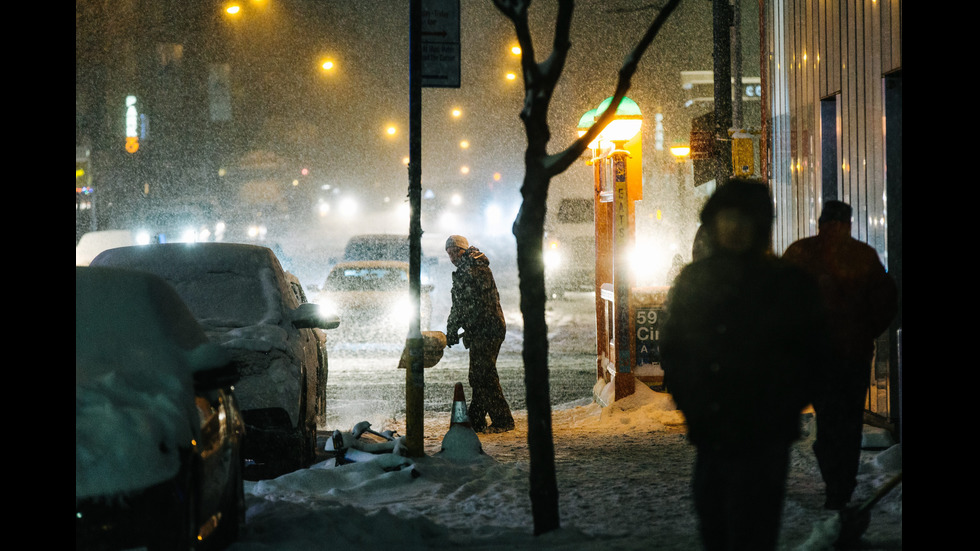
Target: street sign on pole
440,44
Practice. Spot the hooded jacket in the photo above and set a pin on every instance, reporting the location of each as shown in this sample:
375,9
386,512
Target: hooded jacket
476,302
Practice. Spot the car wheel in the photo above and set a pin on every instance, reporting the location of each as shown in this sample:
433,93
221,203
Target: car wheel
310,446
232,507
188,514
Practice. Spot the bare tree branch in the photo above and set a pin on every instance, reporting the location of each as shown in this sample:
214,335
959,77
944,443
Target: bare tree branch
559,162
540,80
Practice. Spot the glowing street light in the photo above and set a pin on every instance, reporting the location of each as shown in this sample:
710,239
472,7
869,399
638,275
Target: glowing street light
616,156
680,152
457,113
625,124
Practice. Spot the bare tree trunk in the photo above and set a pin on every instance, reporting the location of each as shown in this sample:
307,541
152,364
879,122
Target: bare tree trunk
540,80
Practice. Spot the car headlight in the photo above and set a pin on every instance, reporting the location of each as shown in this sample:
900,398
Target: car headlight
401,310
328,307
552,257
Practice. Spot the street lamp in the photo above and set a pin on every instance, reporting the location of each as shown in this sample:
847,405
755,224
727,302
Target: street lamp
617,162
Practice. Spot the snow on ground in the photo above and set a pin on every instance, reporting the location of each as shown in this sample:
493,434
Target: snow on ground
623,478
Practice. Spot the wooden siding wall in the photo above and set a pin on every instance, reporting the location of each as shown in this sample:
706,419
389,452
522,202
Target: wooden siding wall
837,51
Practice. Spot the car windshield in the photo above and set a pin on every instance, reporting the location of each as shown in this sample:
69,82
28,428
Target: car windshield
218,298
377,249
367,279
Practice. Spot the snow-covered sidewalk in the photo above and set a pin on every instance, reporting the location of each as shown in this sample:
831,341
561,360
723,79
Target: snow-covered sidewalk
623,478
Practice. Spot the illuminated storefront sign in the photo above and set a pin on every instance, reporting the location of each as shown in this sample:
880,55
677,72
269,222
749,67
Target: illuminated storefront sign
132,125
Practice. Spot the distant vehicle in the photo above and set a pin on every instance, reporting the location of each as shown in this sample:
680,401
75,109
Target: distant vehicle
94,242
372,299
385,246
158,432
569,247
247,303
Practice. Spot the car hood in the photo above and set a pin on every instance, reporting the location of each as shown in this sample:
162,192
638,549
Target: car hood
130,425
260,338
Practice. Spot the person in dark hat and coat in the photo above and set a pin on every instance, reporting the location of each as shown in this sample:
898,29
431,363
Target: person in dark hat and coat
740,345
476,310
860,299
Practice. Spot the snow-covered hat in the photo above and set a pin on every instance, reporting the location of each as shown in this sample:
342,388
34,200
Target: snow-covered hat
457,241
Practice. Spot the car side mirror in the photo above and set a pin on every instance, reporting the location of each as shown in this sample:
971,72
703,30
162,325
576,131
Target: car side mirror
309,316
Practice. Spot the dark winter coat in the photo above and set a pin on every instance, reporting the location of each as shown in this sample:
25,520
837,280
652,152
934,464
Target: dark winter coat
743,339
860,297
476,302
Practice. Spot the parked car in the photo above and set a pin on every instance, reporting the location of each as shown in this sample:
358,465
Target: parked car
569,247
158,432
247,303
372,299
385,246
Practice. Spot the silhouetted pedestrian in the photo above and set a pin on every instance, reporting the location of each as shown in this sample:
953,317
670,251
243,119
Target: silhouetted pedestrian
861,300
476,309
740,345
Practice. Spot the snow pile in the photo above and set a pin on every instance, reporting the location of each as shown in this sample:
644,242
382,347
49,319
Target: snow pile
623,472
458,496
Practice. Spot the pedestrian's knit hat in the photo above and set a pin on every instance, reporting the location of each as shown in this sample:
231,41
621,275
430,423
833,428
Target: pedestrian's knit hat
835,211
457,241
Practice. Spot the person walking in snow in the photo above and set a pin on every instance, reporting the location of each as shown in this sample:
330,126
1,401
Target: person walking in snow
476,310
740,345
861,300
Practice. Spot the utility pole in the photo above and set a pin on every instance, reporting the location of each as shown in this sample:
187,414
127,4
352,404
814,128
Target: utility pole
723,89
415,374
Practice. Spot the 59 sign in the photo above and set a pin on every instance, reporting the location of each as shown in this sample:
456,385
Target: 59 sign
648,335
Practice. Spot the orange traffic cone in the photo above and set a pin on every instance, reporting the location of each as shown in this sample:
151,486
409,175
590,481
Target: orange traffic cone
460,417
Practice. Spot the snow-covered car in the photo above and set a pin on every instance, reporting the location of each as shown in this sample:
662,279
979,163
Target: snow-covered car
373,301
158,432
386,246
248,304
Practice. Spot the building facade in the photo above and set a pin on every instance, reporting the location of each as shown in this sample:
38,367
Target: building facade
833,77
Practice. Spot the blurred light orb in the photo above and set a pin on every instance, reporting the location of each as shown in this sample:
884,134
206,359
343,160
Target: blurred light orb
456,199
348,206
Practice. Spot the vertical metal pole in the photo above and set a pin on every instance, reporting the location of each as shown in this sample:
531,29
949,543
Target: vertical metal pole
723,90
737,63
415,374
622,275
